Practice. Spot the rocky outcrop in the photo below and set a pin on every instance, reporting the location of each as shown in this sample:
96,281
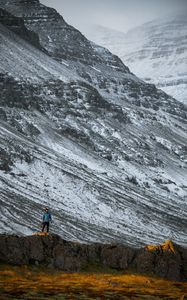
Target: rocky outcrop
166,260
17,25
55,252
58,38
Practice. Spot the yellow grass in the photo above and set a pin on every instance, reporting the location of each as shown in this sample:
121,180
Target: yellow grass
30,283
166,246
41,233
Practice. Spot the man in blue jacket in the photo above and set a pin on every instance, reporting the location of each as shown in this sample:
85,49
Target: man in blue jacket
46,219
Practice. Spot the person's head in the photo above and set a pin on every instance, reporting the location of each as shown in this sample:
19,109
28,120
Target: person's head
46,209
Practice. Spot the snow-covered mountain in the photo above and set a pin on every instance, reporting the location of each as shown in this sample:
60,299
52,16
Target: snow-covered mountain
83,135
155,51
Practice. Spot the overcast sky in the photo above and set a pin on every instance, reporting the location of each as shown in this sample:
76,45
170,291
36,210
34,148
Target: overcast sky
117,14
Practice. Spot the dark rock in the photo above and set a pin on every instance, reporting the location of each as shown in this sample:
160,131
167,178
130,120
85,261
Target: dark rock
41,20
17,25
117,256
166,261
3,116
144,262
163,260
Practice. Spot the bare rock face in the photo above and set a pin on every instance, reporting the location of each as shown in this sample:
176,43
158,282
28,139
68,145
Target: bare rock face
17,25
117,256
71,256
59,39
162,260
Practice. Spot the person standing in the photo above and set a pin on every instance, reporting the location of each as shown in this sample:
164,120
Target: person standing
46,219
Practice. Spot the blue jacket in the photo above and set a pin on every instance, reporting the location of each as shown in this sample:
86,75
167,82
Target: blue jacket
46,217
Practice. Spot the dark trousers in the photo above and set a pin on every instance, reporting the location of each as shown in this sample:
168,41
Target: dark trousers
45,224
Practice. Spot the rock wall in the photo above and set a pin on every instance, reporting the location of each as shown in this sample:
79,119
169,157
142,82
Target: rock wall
167,261
17,25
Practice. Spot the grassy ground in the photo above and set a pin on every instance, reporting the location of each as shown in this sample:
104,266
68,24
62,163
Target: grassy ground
34,283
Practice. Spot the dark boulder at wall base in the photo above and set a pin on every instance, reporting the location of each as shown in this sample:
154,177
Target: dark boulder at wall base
117,256
166,265
162,260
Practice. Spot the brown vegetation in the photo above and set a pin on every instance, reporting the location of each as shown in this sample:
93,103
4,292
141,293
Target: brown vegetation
25,282
166,246
167,261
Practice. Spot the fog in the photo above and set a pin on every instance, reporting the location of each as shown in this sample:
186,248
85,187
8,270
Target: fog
117,14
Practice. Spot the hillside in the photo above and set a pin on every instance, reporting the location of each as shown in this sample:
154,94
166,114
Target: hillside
155,51
103,149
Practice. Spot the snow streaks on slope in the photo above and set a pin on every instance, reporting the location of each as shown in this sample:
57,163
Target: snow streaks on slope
107,153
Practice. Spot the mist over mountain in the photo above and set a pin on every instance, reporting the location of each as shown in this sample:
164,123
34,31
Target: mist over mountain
155,51
82,134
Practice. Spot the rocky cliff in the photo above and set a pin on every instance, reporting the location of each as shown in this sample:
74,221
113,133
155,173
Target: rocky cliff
17,25
167,260
59,39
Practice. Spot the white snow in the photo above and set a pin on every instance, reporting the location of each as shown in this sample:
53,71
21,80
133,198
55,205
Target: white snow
27,62
155,52
92,196
64,63
96,69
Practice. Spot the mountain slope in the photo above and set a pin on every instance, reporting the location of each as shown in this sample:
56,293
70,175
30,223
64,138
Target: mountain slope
58,38
17,25
24,62
155,51
92,62
109,162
